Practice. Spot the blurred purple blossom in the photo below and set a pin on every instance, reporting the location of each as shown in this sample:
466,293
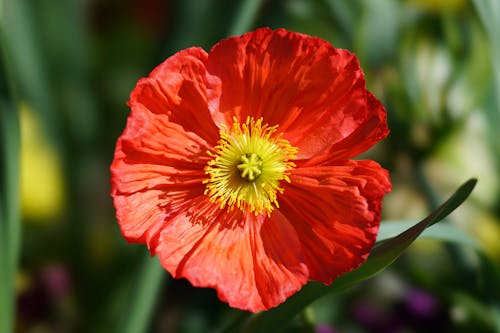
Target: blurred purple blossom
323,328
421,304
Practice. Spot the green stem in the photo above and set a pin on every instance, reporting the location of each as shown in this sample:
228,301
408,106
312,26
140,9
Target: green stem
143,297
234,322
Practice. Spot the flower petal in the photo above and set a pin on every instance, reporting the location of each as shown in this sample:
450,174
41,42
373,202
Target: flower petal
335,211
178,89
157,170
253,263
370,129
160,157
315,92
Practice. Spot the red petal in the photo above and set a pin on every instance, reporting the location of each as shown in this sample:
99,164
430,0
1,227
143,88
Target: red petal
336,213
159,159
252,262
177,88
313,91
372,127
157,170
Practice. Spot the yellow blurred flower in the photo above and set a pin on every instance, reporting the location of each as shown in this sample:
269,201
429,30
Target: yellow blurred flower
42,192
487,231
22,282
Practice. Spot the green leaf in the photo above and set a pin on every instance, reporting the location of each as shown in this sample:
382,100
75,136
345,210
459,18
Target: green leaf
377,31
383,254
344,13
489,13
444,231
25,80
10,219
246,16
495,309
20,38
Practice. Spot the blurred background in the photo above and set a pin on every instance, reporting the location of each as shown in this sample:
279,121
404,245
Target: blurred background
67,68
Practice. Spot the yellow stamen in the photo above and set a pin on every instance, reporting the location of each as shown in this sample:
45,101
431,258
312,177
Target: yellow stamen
248,165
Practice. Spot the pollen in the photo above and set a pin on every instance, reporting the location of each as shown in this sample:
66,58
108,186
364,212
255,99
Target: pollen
247,167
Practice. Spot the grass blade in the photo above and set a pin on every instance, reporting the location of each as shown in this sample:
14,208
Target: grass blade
10,226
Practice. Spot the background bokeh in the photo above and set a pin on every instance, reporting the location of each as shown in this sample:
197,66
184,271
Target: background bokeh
68,67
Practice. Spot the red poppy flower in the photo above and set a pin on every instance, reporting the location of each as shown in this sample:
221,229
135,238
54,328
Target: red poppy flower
235,166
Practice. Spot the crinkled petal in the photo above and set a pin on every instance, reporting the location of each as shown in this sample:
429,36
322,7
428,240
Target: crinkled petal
335,212
157,170
315,92
179,88
159,158
370,130
253,263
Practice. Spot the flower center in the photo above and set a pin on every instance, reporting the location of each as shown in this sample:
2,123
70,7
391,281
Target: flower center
248,164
